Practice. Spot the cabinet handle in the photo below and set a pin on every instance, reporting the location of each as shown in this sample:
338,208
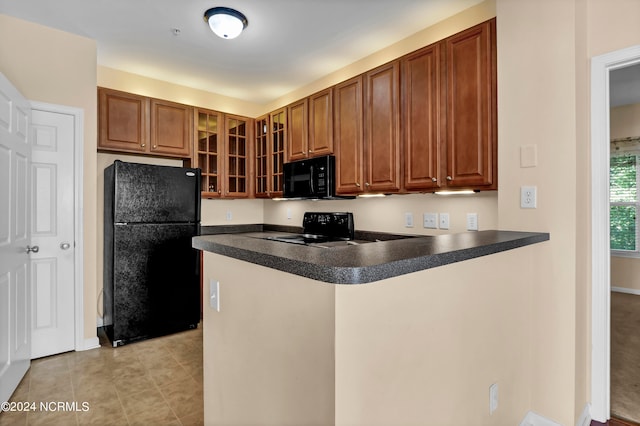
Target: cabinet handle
310,151
367,184
155,146
143,145
449,178
434,179
358,184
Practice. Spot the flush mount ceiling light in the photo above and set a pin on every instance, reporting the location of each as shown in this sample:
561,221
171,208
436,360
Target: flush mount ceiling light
226,22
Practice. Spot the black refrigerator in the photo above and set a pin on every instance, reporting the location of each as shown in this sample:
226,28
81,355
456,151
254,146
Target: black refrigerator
151,272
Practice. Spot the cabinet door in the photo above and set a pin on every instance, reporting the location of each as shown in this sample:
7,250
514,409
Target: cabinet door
262,156
237,156
471,107
277,152
348,136
321,123
123,121
382,131
170,129
421,118
297,116
208,150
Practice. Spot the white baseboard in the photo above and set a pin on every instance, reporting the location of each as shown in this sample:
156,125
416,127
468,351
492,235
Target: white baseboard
534,419
585,416
626,290
91,343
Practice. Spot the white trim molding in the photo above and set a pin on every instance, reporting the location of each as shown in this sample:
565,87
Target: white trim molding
535,419
81,344
600,254
634,291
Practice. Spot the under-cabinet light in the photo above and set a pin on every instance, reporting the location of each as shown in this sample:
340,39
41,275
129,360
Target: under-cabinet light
463,192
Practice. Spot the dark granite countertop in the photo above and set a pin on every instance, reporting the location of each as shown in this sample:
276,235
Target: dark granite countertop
358,264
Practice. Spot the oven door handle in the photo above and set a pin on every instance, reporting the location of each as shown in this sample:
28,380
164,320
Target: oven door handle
311,178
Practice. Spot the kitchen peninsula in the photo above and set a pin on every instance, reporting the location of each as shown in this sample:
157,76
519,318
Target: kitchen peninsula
407,346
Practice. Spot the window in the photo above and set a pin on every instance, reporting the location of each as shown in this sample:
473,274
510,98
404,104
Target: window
624,203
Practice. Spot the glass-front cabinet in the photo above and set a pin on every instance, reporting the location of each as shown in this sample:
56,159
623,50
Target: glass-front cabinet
270,141
222,153
237,154
208,156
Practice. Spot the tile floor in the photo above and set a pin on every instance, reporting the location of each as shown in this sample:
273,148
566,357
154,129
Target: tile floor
153,382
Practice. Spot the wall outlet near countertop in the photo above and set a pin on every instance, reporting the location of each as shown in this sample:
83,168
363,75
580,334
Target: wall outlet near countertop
408,220
430,220
444,220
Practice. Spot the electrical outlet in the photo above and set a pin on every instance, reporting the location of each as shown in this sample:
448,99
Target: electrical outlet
444,220
229,215
430,220
528,197
288,213
472,221
493,398
408,220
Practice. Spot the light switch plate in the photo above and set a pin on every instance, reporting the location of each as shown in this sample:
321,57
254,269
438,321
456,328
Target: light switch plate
214,294
472,221
430,220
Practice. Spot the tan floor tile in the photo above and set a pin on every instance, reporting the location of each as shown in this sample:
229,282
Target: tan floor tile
133,385
148,401
192,420
155,414
168,373
121,385
54,418
13,418
103,413
184,397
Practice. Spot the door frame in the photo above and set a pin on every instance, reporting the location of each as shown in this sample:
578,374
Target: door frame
81,343
600,254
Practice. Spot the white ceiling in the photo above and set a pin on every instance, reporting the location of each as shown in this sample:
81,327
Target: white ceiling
288,43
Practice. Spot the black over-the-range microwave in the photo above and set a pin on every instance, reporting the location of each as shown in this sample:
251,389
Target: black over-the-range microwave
311,178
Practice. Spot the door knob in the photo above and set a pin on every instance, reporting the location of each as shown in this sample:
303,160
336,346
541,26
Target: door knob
33,249
65,246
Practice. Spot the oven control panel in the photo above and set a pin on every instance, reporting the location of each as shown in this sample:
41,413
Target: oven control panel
337,225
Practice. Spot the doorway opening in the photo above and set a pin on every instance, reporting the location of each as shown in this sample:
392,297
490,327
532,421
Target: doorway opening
601,67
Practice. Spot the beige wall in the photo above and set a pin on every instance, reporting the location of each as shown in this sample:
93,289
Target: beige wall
418,349
387,214
52,66
537,105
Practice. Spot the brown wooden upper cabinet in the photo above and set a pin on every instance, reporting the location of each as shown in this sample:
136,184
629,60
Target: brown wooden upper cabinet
449,112
382,128
348,136
367,132
142,125
310,126
471,117
271,137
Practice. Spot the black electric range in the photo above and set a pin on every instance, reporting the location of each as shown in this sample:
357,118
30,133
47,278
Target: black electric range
320,228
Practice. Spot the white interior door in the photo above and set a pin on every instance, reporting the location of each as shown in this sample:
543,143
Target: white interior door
15,321
52,230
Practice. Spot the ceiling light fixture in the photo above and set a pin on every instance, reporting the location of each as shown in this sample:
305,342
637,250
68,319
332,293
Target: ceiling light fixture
226,22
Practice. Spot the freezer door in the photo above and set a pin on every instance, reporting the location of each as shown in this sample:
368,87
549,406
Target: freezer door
156,281
145,193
